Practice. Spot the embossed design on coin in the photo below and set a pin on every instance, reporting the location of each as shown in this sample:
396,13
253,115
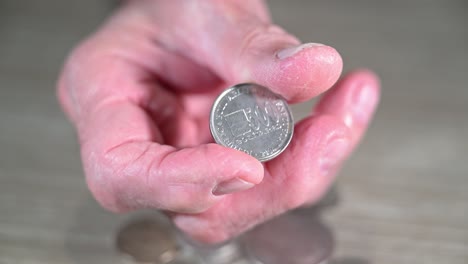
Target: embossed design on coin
250,118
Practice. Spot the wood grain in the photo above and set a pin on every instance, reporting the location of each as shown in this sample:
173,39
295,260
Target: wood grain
402,197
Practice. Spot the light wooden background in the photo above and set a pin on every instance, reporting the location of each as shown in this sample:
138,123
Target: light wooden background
402,198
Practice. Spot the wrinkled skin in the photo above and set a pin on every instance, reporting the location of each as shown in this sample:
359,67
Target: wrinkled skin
139,92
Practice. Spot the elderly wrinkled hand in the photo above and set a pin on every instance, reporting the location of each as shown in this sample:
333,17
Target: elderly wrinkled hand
139,92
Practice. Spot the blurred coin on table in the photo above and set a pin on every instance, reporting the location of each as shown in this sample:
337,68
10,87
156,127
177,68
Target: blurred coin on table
147,240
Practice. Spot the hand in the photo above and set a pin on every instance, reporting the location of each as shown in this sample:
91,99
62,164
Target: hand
139,92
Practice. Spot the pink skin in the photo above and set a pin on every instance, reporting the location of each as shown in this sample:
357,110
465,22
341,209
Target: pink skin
139,92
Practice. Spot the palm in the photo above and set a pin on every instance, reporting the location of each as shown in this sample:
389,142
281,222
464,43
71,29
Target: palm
186,122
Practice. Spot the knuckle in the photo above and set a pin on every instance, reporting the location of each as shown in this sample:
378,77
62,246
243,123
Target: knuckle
71,76
78,55
260,34
260,38
85,49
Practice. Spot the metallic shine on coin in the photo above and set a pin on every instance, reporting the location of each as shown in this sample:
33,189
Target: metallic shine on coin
250,118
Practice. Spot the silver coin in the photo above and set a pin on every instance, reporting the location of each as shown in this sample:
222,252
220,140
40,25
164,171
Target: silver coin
250,118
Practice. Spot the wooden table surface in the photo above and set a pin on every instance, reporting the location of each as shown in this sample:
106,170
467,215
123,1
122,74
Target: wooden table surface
402,198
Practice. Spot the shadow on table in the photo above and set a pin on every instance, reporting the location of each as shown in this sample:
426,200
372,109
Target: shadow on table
294,238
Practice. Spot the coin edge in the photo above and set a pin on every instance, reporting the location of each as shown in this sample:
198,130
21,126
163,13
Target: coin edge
219,141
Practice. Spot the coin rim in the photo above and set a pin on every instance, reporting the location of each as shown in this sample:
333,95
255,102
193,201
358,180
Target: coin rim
219,141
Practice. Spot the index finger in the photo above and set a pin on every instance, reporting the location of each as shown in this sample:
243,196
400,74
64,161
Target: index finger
242,45
127,168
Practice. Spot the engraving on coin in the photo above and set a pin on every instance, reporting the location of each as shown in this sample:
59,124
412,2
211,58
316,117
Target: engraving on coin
251,118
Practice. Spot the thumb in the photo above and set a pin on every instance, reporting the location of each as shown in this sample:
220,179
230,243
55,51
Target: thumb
272,58
239,44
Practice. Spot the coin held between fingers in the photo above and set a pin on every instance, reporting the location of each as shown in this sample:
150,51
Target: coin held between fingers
250,118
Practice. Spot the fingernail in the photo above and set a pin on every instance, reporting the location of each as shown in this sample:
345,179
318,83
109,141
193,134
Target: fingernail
289,52
231,186
364,101
332,155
